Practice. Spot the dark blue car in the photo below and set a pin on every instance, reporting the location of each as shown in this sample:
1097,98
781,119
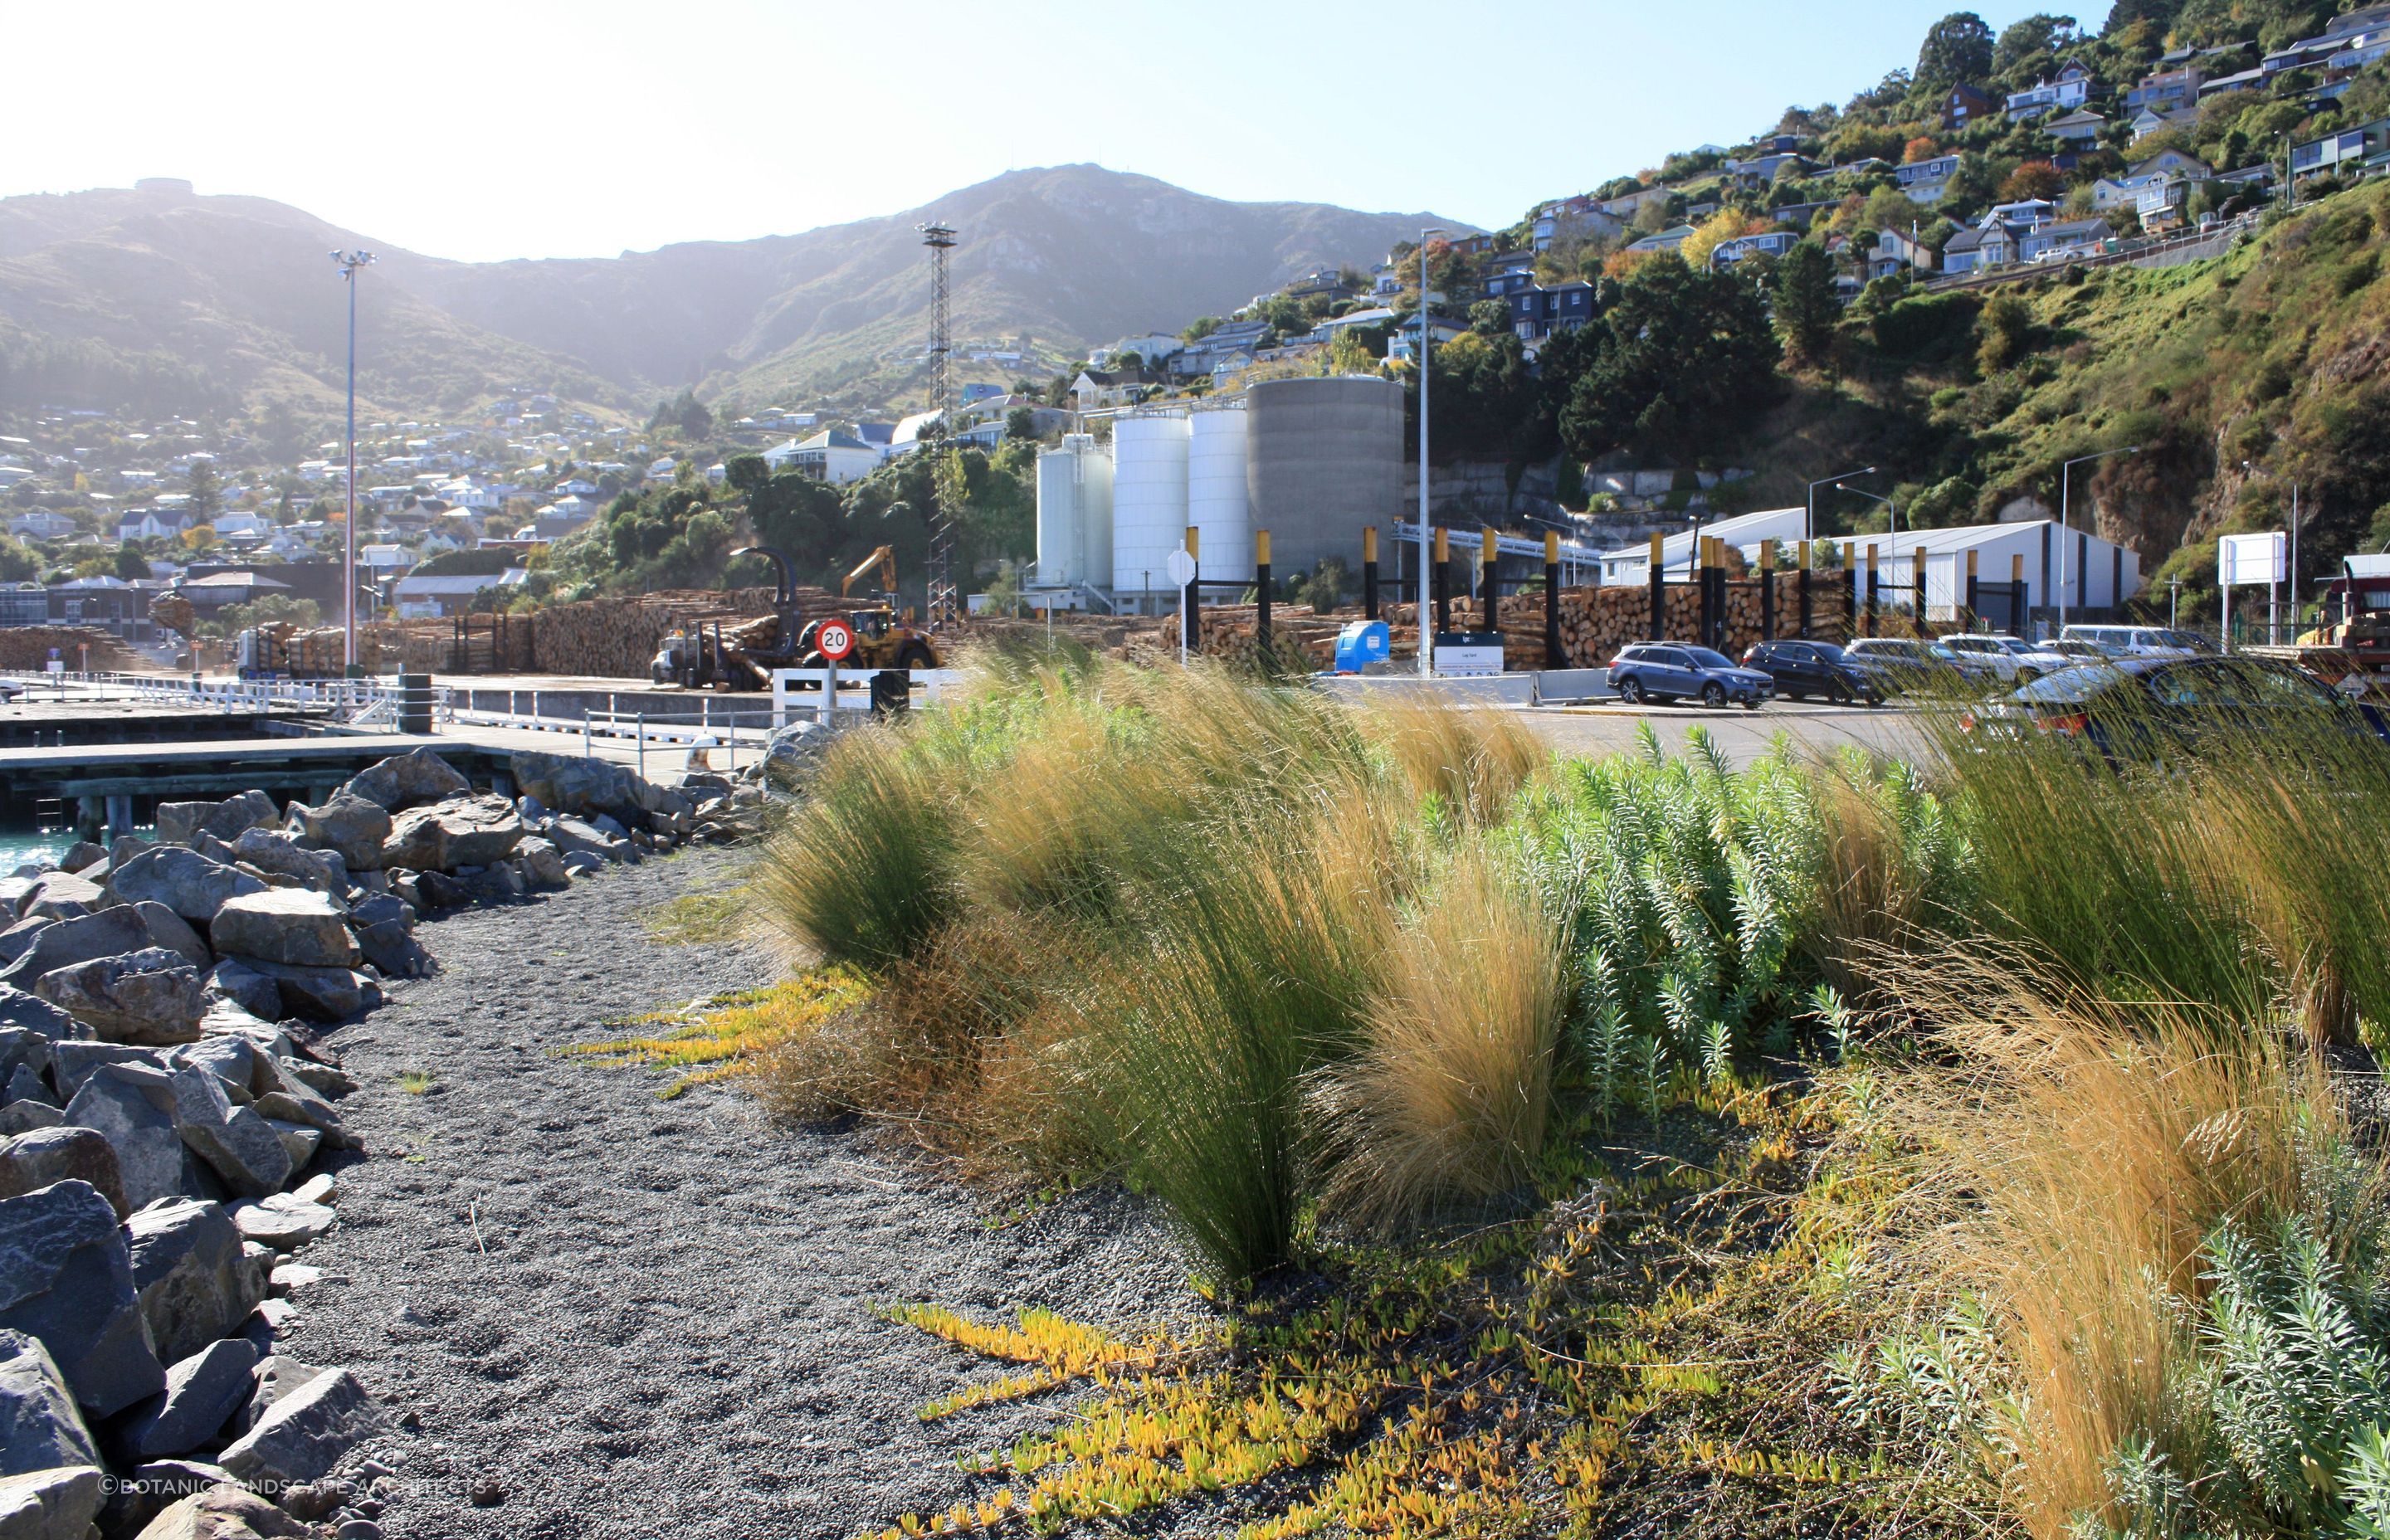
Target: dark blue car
2154,711
1678,671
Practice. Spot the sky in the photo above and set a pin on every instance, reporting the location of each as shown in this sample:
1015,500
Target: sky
529,128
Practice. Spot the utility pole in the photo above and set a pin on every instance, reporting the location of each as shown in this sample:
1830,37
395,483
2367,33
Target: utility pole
2063,471
1426,341
349,262
944,607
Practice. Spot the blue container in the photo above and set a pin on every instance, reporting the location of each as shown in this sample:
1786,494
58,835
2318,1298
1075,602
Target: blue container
1360,643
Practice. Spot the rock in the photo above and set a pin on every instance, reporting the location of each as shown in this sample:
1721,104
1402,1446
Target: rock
71,1063
358,1529
148,997
172,931
23,1117
40,1425
126,847
494,884
56,1504
283,1222
461,831
195,1281
405,780
543,863
236,1142
298,1103
243,986
581,863
577,836
609,827
236,816
14,940
224,1019
31,1161
304,1435
62,895
403,886
193,885
202,1392
109,933
65,1278
385,933
153,1487
134,1107
319,994
233,1060
277,1375
328,1079
295,926
82,854
349,825
438,891
26,1085
572,784
178,821
299,1140
277,853
224,1513
18,1008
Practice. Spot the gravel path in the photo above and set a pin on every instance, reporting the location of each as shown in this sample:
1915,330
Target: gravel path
645,1318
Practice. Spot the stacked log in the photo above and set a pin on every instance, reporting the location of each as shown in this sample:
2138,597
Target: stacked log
79,648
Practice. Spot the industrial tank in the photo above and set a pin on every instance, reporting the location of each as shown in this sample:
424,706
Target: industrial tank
1216,505
1074,514
1323,461
1148,499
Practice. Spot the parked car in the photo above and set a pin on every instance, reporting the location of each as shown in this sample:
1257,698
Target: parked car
2017,661
1805,669
2149,710
2077,650
1899,665
2138,641
1678,671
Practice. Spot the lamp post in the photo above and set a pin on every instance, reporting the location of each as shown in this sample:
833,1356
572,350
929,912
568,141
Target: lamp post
349,263
1426,341
1891,508
2065,470
1809,513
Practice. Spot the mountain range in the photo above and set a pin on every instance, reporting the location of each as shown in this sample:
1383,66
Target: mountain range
98,285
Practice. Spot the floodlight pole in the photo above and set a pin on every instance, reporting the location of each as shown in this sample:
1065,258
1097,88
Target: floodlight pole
2065,470
1809,507
349,262
1426,341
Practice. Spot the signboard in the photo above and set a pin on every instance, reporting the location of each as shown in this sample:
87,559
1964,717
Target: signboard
1180,567
836,640
1469,654
2241,560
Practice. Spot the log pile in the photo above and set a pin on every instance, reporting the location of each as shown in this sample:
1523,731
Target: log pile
80,647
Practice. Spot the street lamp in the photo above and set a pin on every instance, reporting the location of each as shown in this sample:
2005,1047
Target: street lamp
1426,341
1809,517
2065,470
349,263
1890,508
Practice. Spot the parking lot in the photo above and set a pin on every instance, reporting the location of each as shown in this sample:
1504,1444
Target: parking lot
1608,728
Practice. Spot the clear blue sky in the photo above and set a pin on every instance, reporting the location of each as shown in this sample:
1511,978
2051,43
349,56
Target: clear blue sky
513,128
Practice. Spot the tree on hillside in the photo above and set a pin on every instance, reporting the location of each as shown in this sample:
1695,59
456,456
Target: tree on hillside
2034,179
130,565
1680,359
1021,423
1957,48
1919,148
207,492
2026,47
686,414
1805,306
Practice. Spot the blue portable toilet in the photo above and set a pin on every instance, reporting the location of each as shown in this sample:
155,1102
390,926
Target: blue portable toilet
1361,643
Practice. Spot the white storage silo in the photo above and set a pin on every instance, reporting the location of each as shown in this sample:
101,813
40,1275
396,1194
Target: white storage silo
1216,501
1074,514
1148,499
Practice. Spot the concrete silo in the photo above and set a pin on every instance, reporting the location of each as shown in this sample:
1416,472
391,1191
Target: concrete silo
1149,501
1323,461
1216,503
1074,514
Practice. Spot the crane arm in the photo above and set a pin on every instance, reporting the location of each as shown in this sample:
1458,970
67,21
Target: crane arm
884,558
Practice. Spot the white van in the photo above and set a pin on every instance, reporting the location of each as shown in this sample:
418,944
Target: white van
2137,641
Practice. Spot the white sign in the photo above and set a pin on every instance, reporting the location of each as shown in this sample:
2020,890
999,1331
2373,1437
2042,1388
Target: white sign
54,666
2241,560
1467,661
1181,568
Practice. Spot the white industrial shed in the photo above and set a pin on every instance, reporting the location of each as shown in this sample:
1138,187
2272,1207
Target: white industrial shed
2097,574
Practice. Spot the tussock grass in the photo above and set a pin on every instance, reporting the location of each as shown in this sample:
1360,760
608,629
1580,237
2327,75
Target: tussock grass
862,874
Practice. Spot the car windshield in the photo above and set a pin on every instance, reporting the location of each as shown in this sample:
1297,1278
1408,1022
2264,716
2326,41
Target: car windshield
2012,645
1941,651
1704,658
1827,651
2068,686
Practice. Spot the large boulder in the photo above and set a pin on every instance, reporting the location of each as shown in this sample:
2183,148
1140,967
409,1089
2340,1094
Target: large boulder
236,1142
23,1048
304,1436
71,1063
152,995
318,994
404,780
284,1221
193,885
541,863
40,1426
294,1100
579,837
17,937
347,825
194,1282
180,823
55,1504
30,1012
233,1057
68,1153
62,895
202,1392
279,854
285,925
65,1279
462,831
236,982
133,1106
385,933
573,784
224,1513
106,934
172,931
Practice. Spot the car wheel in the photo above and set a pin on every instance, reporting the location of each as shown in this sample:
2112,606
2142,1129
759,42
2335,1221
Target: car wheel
1751,704
915,655
1712,694
1842,696
1630,689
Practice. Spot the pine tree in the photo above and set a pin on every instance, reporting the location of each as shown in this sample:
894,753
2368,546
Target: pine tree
1806,307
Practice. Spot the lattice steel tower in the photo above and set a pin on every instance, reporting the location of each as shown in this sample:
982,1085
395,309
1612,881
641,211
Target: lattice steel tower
945,605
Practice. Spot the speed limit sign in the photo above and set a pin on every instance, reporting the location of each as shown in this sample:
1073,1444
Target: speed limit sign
836,639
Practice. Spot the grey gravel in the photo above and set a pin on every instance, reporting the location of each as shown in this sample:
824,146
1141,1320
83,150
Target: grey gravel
625,1317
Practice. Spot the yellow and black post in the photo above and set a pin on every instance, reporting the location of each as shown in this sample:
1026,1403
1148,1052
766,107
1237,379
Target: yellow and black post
1917,588
1553,656
1706,592
1975,594
1192,601
1870,588
1659,590
2017,619
1767,590
1262,590
1443,583
1801,602
1369,573
1489,551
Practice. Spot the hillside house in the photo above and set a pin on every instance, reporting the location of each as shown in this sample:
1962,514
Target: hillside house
1570,221
1925,181
2166,90
2063,235
1666,240
830,455
2072,87
2361,147
1774,243
42,524
1096,389
2079,127
150,525
1963,103
1895,251
2149,120
1537,311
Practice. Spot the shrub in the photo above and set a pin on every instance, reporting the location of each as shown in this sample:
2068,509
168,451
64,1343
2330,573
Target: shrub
863,874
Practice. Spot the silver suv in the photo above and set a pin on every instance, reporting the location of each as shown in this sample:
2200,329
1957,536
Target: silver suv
2016,661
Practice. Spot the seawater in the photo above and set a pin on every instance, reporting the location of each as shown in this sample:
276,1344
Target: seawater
18,846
